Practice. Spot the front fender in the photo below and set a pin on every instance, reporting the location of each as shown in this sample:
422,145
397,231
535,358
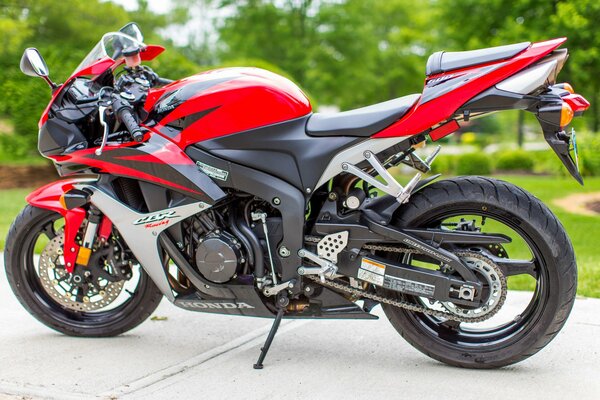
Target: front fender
48,197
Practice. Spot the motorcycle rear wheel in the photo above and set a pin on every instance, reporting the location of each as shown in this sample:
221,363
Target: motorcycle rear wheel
555,275
23,276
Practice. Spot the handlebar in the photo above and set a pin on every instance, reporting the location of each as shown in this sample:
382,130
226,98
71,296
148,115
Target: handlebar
164,81
125,114
121,106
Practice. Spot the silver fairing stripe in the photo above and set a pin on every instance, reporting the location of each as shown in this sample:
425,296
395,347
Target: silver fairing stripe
140,231
529,79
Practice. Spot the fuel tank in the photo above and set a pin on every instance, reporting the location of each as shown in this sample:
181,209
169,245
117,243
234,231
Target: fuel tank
222,102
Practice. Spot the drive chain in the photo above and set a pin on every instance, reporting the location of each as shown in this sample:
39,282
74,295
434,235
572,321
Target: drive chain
400,303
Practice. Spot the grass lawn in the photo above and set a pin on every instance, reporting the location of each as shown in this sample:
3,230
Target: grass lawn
583,230
11,203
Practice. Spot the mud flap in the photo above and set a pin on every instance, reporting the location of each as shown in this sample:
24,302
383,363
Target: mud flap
561,144
549,118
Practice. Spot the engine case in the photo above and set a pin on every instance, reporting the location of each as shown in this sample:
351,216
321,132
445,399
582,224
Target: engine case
218,257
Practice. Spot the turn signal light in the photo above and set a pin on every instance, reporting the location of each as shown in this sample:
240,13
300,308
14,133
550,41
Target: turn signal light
568,88
566,115
62,202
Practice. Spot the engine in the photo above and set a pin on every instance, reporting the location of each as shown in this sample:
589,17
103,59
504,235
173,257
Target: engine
217,253
218,256
225,242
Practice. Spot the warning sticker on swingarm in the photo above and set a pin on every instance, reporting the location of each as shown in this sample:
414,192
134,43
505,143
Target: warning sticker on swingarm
408,286
371,271
213,172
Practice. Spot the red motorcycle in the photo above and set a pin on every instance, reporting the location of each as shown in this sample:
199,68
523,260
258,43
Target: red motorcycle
225,193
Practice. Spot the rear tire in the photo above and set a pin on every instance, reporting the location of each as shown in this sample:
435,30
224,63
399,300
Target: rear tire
20,271
557,268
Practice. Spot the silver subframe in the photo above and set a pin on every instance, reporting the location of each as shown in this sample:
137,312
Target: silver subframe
354,155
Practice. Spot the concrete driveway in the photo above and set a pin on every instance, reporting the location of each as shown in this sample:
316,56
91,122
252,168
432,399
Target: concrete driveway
192,356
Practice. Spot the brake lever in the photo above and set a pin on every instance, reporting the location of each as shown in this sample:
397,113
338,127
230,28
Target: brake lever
101,111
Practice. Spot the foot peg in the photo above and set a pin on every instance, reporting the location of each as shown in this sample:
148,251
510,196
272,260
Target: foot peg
325,269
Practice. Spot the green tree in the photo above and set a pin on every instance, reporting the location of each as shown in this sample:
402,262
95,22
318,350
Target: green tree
497,22
577,20
348,53
283,35
371,51
64,32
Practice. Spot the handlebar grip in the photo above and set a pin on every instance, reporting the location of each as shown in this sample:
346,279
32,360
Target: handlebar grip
164,81
126,116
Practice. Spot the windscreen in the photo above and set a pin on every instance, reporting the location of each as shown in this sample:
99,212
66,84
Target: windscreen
111,45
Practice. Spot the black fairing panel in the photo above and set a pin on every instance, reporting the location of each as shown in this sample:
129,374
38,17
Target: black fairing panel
57,137
283,150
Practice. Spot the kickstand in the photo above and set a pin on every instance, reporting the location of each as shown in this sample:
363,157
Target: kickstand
265,349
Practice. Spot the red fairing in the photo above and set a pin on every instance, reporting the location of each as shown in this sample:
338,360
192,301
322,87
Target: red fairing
161,158
231,100
423,116
155,160
149,53
48,197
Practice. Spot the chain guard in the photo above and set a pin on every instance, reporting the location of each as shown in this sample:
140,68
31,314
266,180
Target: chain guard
456,314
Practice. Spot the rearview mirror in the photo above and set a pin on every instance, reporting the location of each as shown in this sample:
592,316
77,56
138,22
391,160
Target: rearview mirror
33,64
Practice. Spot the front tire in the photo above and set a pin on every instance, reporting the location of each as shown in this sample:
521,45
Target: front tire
20,262
555,279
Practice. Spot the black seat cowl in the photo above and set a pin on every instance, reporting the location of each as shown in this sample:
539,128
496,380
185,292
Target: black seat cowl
361,122
447,61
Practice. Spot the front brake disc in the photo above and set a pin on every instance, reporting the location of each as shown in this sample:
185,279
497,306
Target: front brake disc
90,295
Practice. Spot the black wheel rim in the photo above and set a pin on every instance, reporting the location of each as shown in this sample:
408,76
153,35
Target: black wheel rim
54,310
458,335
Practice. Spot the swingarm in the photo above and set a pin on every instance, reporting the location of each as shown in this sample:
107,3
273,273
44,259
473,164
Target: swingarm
454,282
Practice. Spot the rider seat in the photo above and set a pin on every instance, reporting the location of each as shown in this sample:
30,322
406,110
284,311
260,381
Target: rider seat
447,61
362,122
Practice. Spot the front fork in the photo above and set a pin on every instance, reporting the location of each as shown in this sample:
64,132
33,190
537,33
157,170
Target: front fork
94,217
52,197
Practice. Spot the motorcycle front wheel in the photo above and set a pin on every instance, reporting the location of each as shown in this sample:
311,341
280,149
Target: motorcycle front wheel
539,259
100,306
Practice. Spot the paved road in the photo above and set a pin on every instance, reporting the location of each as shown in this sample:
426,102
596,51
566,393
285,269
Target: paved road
192,356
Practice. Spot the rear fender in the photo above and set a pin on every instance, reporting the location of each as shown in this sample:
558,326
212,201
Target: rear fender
48,197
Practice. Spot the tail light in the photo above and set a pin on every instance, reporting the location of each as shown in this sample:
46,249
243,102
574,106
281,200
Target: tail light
577,102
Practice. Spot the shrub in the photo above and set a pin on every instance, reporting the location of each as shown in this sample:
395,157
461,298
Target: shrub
15,148
514,160
547,162
474,164
590,156
443,164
